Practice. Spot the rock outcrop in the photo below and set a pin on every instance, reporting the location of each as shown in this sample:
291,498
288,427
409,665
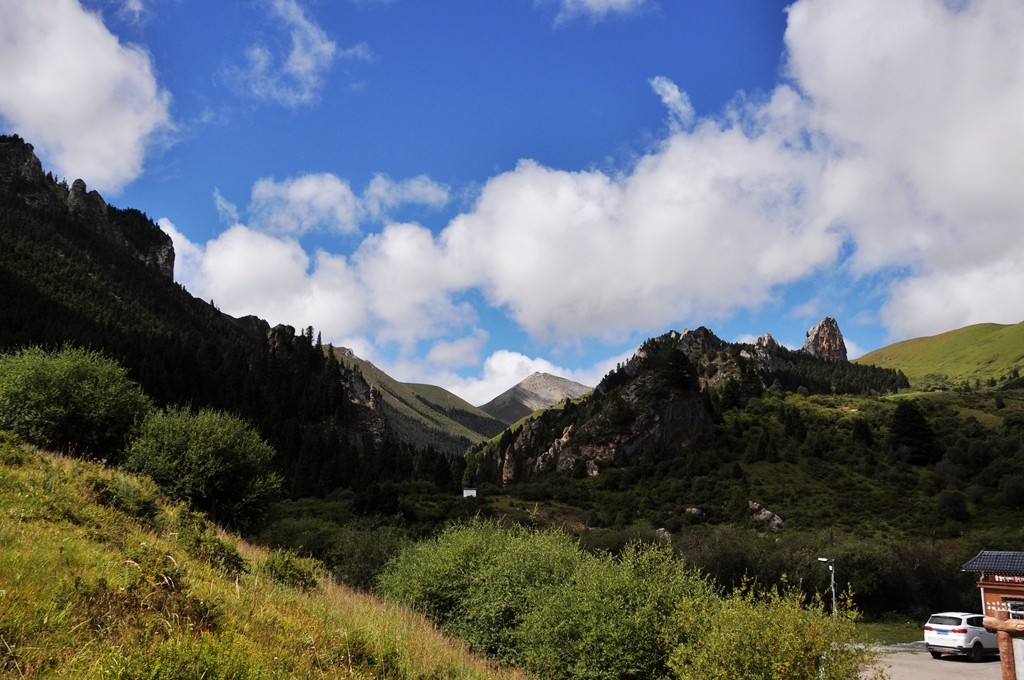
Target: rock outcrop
22,176
825,341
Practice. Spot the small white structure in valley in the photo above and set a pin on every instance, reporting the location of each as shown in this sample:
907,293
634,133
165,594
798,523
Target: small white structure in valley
469,493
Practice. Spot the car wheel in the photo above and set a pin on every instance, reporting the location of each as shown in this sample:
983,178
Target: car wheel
936,655
977,652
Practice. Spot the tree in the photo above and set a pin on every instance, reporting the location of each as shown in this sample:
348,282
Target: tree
72,400
911,431
213,460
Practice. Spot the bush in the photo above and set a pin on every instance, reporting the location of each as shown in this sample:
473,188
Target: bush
285,567
764,635
479,580
613,618
213,460
73,401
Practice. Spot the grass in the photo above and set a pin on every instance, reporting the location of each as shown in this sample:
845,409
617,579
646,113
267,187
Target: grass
101,577
888,632
973,353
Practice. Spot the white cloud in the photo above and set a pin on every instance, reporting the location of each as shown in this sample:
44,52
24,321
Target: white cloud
226,210
297,78
91,105
409,285
458,353
895,153
681,113
248,272
921,102
384,194
324,202
502,370
595,10
936,302
304,203
710,222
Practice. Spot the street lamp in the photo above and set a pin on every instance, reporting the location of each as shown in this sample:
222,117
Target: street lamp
832,573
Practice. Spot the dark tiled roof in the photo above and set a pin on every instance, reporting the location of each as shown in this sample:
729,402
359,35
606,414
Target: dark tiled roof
996,562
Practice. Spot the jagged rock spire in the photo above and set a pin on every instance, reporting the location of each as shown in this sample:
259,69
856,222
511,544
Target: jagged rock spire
825,341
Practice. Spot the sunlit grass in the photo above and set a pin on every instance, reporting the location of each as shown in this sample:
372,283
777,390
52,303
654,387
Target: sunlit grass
87,591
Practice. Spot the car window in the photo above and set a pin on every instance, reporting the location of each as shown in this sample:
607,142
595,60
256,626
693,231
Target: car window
944,620
974,621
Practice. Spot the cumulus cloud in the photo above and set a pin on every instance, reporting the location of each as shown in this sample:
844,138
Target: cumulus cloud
324,202
244,271
294,79
301,204
920,102
384,194
892,153
91,104
711,221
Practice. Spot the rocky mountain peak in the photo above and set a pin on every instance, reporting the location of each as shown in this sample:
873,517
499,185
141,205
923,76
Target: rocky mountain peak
537,391
825,341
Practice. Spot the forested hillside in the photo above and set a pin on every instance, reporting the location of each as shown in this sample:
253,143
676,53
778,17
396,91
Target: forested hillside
81,277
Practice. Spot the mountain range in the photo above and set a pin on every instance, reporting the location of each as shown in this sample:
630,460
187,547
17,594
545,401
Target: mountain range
74,269
750,458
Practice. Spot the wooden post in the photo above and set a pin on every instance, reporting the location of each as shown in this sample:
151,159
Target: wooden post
1005,630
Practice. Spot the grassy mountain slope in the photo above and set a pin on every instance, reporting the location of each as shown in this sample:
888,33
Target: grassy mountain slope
102,577
426,415
980,353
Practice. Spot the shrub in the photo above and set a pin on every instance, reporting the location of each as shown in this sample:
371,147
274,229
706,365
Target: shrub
213,460
762,635
289,569
613,618
72,400
479,580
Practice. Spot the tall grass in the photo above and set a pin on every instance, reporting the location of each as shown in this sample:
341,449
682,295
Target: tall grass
101,577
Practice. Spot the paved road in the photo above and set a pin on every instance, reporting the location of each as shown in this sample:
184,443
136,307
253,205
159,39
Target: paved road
917,664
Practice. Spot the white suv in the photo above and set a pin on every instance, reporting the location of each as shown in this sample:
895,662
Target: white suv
959,633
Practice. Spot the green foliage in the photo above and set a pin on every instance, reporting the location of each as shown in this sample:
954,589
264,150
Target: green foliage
763,635
89,591
71,400
478,580
534,598
613,618
284,566
213,460
354,550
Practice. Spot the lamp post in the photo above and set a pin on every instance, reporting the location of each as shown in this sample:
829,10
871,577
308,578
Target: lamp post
832,573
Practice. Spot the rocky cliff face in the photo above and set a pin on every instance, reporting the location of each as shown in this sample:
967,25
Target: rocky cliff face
22,177
825,341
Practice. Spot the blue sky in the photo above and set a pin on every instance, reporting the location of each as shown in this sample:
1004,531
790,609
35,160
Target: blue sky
466,191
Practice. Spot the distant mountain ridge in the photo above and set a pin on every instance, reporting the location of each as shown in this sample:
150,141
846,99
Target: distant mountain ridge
426,415
540,390
664,399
